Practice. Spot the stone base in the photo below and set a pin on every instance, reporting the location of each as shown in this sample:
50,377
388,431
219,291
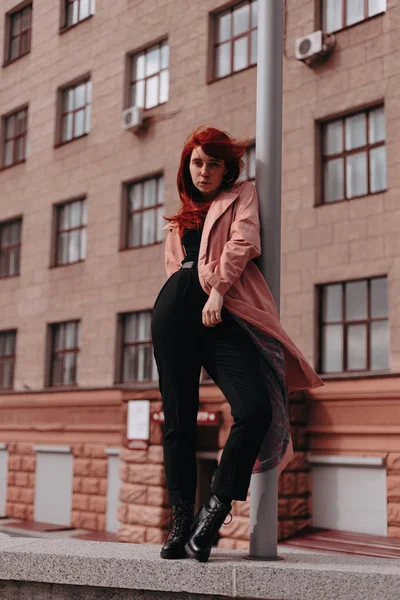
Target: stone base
66,569
47,591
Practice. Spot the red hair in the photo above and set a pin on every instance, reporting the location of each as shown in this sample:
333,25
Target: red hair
214,143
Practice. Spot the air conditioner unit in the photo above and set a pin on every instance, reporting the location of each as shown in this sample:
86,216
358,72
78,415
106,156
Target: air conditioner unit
317,45
133,118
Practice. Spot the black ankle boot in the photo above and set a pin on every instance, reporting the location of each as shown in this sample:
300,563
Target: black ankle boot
205,528
179,529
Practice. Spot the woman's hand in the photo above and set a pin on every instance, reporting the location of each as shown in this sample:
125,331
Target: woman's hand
212,309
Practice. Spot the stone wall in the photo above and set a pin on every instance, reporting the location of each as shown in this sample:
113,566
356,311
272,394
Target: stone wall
393,494
143,512
89,484
21,480
293,504
89,487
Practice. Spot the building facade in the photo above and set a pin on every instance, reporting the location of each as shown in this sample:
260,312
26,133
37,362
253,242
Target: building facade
82,195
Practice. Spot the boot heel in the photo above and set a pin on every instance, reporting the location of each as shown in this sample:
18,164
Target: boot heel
200,555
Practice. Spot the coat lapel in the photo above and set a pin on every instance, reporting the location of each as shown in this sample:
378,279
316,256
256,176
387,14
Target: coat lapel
220,205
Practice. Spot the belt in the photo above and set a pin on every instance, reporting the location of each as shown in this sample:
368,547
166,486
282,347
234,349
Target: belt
189,264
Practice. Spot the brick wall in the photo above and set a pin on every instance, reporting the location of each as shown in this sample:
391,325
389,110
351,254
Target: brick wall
393,494
21,480
143,511
89,487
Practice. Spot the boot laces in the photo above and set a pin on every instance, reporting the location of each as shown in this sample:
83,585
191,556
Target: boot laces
208,521
179,521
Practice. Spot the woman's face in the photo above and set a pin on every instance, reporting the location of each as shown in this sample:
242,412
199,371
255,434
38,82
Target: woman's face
207,172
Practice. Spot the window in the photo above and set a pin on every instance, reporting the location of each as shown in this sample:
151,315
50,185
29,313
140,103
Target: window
10,248
337,14
74,11
249,159
138,363
65,342
354,156
76,109
144,207
71,232
354,327
15,128
7,359
149,76
235,38
18,33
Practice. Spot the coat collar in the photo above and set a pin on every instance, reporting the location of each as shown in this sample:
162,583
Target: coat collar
220,204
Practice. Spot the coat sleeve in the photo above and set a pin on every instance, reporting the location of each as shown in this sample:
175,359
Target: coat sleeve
172,263
243,244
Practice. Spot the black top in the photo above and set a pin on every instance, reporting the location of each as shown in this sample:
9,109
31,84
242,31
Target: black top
191,241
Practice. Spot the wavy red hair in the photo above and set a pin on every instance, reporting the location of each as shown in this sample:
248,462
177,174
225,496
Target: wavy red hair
214,143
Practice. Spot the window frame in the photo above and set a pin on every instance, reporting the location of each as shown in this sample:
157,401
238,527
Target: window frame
344,323
320,16
51,353
130,57
213,43
56,231
120,351
320,158
64,15
8,357
85,78
3,139
251,147
8,222
126,213
7,32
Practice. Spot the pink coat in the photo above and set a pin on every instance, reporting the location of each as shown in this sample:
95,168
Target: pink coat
230,239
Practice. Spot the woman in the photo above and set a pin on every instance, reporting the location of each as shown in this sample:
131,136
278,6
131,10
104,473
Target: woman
217,311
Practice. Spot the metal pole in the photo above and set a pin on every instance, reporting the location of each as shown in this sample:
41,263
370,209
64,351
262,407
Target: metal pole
264,486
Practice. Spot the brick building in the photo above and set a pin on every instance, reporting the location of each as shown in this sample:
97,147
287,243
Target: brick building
81,201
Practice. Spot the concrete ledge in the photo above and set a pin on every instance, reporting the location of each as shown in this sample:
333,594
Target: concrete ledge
101,570
351,461
51,448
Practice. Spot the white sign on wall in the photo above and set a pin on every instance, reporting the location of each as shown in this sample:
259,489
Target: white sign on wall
138,422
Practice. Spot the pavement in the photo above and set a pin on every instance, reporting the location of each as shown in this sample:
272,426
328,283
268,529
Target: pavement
19,528
71,568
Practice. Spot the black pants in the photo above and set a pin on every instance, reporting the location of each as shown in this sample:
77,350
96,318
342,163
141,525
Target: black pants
182,345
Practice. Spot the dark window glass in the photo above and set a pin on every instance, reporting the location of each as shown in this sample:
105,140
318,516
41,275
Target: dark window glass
138,363
337,14
65,352
7,359
235,44
15,134
355,326
20,28
249,159
78,10
149,77
71,232
354,156
145,208
76,110
10,248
